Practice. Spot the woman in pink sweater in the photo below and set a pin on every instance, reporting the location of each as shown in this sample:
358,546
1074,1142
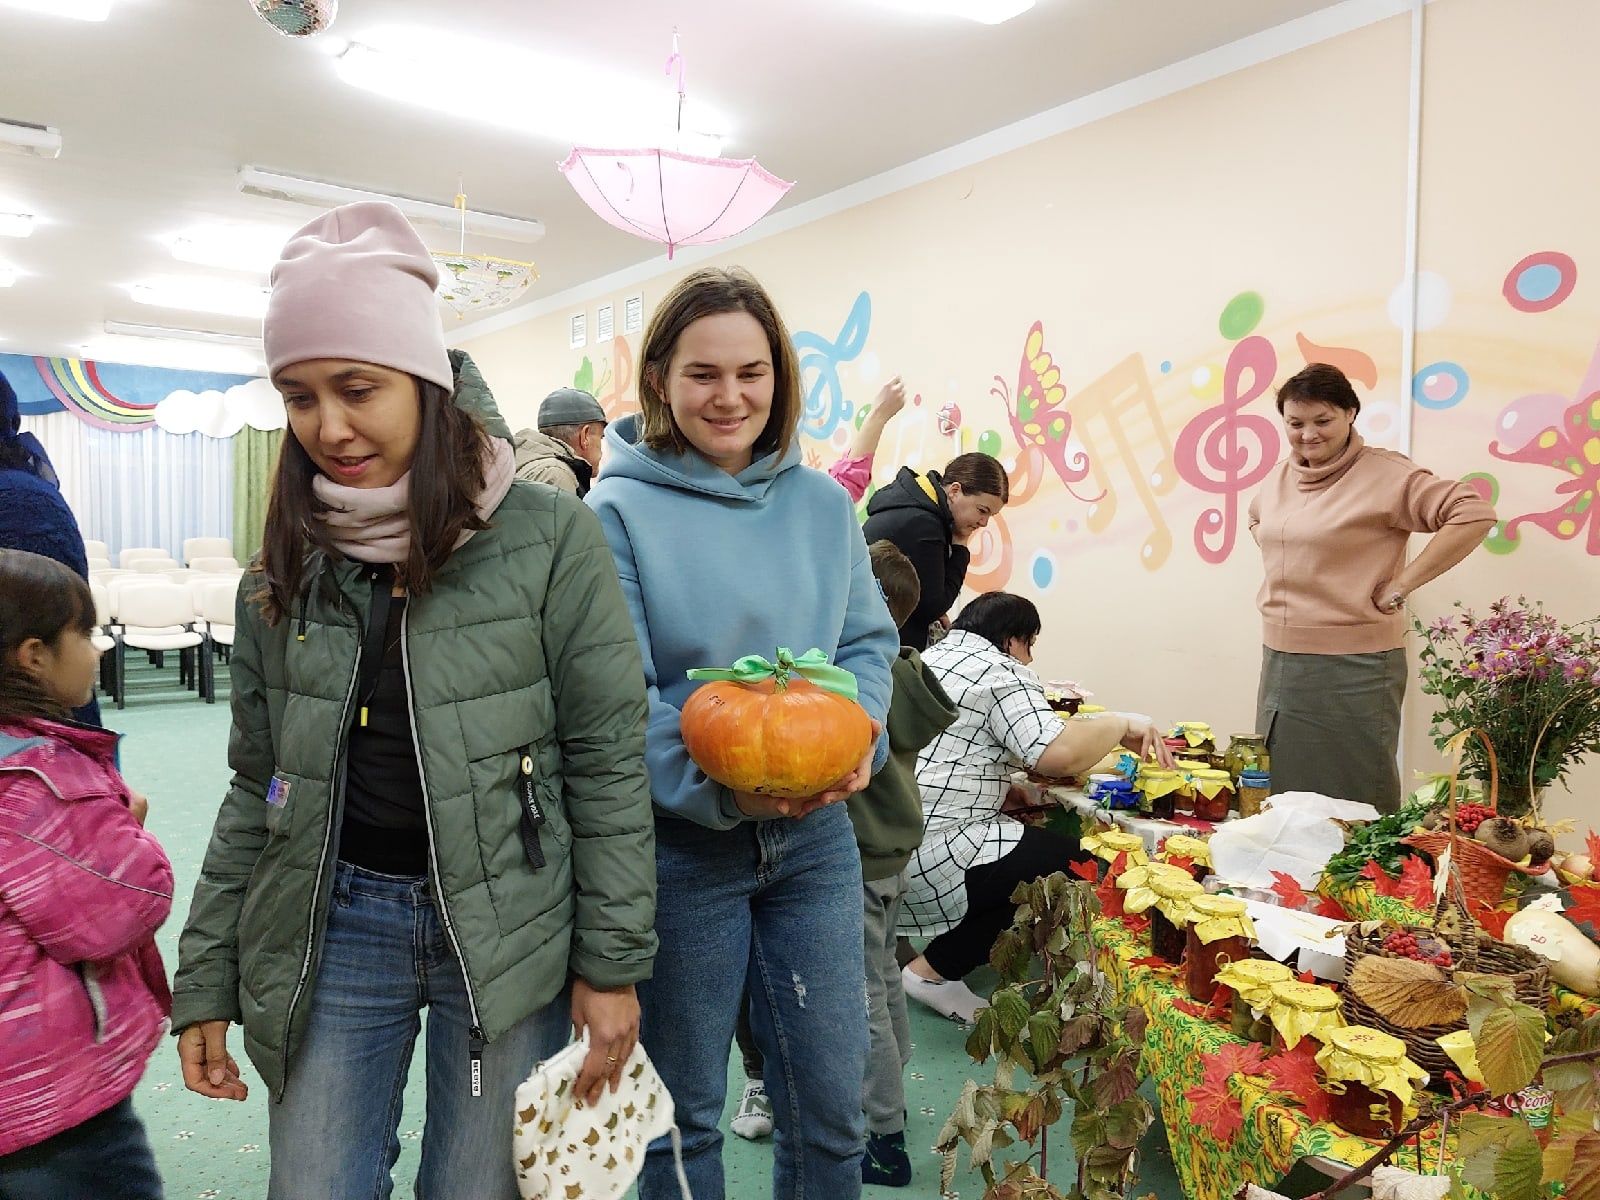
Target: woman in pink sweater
1333,524
83,888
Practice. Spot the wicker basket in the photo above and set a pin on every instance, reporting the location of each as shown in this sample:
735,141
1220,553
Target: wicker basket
1472,951
1482,871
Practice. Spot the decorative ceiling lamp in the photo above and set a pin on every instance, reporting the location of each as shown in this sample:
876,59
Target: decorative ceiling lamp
475,283
297,18
670,197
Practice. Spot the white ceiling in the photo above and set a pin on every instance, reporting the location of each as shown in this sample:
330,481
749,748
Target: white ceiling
160,105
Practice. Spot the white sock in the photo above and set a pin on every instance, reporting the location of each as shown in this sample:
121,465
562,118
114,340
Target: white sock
949,998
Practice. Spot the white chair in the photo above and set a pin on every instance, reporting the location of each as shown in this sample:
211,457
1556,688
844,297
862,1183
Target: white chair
154,566
131,555
96,549
159,617
206,547
118,586
179,575
217,564
216,609
97,563
102,640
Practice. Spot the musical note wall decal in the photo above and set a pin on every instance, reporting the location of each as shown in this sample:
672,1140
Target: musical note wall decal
1225,450
1120,394
1356,364
825,405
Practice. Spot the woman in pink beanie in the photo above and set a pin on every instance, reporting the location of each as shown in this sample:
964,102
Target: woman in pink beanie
439,797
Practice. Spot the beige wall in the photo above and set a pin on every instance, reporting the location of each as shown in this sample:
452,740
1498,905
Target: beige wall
1125,239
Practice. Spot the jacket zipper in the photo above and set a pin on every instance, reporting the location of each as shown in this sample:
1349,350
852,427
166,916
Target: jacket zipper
334,813
476,1040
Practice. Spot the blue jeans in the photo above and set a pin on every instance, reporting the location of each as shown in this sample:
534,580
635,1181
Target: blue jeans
335,1134
772,908
108,1157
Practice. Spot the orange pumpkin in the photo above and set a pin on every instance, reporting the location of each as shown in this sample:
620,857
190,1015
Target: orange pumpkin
788,741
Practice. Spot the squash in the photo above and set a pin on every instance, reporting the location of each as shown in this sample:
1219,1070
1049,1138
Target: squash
780,735
1574,959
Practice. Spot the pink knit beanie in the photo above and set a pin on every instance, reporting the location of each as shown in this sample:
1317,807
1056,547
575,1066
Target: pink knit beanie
357,283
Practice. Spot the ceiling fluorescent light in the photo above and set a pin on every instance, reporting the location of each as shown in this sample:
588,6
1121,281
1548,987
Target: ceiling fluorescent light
174,333
203,295
82,10
18,225
533,94
24,137
252,248
178,354
254,181
985,12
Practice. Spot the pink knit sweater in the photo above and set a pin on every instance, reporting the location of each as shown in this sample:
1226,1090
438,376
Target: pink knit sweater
83,997
1331,536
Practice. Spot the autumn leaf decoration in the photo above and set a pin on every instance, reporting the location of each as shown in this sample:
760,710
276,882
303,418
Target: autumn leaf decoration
1289,891
1294,1074
1212,1099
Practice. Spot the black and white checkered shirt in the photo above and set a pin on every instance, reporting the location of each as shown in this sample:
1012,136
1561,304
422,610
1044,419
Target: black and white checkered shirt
1003,723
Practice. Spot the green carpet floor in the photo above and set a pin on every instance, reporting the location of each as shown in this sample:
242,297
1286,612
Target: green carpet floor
175,752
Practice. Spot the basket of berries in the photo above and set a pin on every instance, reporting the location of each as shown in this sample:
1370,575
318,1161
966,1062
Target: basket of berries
1406,979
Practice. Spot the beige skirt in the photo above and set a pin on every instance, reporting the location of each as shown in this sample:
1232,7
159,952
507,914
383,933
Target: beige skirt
1333,723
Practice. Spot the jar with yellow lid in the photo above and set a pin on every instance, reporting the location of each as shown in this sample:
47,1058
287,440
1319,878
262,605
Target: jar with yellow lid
1167,896
1251,981
1197,851
1160,791
1219,932
1197,736
1213,795
1370,1080
1302,1010
1110,844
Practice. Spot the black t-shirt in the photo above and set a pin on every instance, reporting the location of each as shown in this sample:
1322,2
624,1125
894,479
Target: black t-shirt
385,828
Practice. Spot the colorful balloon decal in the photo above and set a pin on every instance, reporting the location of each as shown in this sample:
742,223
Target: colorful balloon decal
1540,282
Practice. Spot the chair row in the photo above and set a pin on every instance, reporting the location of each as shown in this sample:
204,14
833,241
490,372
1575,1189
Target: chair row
194,549
158,615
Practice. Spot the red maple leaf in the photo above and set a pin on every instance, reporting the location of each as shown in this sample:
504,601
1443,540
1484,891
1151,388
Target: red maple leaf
1416,883
1288,890
1151,962
1183,864
1233,1058
1137,922
1307,977
1583,905
1382,882
1216,1108
1492,919
1328,907
1118,865
1592,844
1111,897
1318,1107
1088,871
1294,1073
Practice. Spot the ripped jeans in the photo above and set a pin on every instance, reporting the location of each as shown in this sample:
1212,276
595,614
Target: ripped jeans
772,907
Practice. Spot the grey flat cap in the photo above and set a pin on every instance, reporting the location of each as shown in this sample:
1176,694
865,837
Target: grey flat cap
569,406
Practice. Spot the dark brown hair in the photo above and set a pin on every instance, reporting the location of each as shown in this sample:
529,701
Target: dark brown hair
999,617
707,293
978,473
39,598
897,577
446,480
1320,382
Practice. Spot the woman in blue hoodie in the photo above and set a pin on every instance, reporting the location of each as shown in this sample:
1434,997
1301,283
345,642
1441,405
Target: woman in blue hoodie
727,545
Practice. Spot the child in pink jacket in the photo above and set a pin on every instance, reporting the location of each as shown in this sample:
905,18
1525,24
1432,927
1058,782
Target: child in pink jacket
83,888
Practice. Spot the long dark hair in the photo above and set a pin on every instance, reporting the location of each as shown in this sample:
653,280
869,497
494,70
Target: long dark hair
447,476
39,598
707,293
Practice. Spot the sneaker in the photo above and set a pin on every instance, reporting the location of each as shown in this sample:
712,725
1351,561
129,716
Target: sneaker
753,1120
886,1162
949,998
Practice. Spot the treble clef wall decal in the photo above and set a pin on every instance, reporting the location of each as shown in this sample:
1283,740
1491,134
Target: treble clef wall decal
1225,450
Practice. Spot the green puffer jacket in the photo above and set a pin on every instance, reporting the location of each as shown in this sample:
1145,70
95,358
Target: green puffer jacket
523,646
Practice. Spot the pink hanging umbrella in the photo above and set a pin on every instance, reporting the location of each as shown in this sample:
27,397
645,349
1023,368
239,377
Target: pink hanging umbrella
666,196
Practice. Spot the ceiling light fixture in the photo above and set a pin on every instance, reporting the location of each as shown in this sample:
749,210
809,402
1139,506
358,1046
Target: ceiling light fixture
82,10
182,355
203,295
17,225
251,248
318,193
24,137
533,94
985,12
176,333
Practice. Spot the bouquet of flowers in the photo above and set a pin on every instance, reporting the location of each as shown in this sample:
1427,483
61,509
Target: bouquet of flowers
1529,682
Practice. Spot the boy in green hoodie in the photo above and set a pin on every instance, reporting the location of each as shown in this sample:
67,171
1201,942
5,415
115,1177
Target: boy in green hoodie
888,822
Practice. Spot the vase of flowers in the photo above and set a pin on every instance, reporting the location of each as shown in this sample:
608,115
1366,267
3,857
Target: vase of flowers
1529,682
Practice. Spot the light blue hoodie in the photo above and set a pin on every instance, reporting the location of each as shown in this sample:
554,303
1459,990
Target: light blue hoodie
717,566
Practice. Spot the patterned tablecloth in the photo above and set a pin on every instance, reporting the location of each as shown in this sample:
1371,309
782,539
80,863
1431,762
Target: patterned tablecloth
1275,1135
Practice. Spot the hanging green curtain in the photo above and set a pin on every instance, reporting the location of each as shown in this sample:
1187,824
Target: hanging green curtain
255,457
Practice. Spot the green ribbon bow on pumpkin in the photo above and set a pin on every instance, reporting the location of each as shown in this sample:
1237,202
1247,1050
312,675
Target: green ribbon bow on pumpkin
813,666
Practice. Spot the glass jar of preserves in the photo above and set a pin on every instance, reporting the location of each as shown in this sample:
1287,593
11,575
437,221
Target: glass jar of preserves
1254,788
1167,894
1159,790
1251,981
1213,794
1246,752
1301,1010
1196,735
1371,1081
1219,933
1194,850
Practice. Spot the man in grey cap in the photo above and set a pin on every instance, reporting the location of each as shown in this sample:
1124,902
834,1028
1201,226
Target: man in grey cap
565,450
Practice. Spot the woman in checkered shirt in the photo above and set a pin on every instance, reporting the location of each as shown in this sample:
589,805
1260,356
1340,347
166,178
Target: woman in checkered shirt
972,856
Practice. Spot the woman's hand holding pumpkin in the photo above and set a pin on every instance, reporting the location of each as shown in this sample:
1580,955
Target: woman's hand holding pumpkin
761,808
